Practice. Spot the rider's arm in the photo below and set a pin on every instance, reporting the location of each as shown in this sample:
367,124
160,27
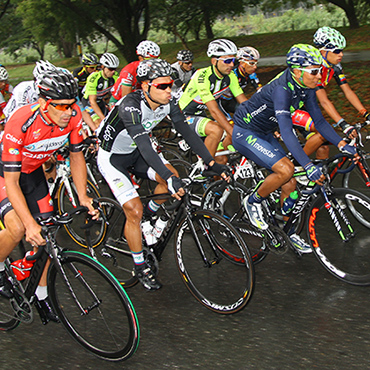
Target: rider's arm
352,97
219,117
328,105
94,105
125,90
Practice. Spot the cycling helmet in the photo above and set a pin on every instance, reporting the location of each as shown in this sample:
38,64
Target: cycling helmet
57,85
248,53
303,55
185,55
148,49
89,59
220,47
152,69
109,60
326,38
3,74
41,67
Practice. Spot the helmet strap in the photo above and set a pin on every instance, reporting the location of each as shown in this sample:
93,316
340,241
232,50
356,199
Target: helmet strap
147,93
216,66
300,80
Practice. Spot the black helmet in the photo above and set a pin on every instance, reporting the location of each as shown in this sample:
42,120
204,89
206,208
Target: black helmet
89,59
185,56
153,68
57,85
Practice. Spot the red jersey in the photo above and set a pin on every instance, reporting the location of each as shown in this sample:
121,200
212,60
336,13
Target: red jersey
28,140
127,77
329,71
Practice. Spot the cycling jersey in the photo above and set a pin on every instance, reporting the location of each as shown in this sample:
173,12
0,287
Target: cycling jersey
204,86
98,85
5,95
81,75
180,77
243,80
24,93
329,71
28,140
128,124
127,77
272,106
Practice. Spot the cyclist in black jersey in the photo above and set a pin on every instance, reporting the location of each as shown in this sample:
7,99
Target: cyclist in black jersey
257,119
89,65
245,71
182,70
125,146
204,89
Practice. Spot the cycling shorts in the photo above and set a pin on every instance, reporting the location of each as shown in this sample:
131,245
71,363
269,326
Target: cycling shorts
36,191
117,170
198,124
264,149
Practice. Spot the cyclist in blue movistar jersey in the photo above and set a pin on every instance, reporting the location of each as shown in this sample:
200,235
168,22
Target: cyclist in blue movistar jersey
271,108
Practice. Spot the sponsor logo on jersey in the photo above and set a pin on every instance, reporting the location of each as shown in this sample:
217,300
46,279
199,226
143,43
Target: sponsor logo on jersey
37,133
13,151
12,138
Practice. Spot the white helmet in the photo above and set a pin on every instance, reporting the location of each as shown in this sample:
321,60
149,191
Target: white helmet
248,53
109,60
148,49
221,47
3,74
41,67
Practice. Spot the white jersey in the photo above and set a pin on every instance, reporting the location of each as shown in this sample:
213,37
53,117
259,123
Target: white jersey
181,77
24,93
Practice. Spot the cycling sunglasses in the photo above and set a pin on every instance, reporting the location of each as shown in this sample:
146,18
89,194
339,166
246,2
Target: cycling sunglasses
312,71
227,60
252,64
63,107
162,86
337,51
112,69
188,62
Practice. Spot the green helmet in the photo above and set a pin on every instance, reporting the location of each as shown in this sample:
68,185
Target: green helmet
326,38
303,55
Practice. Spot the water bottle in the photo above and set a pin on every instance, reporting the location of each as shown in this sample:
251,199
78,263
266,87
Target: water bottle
159,226
22,268
147,230
289,203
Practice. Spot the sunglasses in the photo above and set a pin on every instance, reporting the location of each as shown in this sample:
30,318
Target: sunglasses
62,107
92,67
337,51
112,69
189,62
227,60
162,86
249,62
312,71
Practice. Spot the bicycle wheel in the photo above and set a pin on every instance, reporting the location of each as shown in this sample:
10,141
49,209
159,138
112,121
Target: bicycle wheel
227,200
74,229
357,178
339,234
93,307
207,248
114,253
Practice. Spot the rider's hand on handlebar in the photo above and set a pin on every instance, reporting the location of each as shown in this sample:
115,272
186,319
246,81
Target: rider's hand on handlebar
221,170
88,203
348,130
175,187
351,150
314,173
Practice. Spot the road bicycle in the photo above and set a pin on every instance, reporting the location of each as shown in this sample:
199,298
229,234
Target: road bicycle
336,220
206,246
89,301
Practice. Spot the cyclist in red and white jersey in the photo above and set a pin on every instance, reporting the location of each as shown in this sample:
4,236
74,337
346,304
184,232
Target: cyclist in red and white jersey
127,81
6,90
32,134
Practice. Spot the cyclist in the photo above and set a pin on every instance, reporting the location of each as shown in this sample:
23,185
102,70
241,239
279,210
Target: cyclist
127,81
33,133
6,90
97,90
257,119
125,146
205,88
182,70
246,73
26,92
89,65
331,43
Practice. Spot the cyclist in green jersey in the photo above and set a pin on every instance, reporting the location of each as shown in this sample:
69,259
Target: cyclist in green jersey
205,88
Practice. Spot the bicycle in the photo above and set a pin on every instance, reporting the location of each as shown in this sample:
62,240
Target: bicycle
207,268
89,301
337,225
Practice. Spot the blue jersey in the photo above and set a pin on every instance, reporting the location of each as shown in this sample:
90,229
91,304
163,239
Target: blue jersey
270,108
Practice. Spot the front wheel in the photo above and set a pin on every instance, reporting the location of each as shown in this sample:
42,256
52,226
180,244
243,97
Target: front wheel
339,233
214,262
93,307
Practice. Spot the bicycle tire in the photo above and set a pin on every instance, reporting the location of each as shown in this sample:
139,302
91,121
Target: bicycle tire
114,253
106,324
346,257
73,229
219,284
355,179
227,200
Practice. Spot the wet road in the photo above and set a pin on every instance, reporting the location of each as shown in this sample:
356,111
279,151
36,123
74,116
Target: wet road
300,317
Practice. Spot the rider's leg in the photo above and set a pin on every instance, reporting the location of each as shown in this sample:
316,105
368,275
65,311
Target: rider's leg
315,144
213,134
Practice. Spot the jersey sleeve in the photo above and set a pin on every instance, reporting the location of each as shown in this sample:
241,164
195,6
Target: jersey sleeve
91,88
339,76
76,137
203,86
235,88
